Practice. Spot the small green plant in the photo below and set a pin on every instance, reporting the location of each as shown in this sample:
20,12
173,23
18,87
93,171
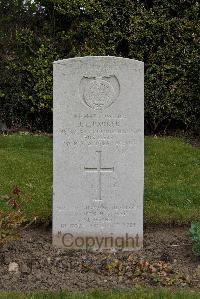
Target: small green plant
195,235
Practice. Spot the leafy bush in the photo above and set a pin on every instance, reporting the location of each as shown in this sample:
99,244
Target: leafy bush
195,235
163,34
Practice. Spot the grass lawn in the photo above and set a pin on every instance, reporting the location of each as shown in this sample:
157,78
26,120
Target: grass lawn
131,294
172,181
172,177
26,162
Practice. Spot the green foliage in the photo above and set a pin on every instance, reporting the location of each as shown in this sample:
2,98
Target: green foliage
195,235
163,34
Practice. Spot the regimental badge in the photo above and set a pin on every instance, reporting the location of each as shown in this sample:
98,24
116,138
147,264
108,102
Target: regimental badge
99,93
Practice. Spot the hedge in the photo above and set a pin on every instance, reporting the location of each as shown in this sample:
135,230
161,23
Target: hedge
163,34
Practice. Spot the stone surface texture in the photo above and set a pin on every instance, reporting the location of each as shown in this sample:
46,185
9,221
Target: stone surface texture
98,171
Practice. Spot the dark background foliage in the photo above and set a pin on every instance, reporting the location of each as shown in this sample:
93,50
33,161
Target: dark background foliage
162,33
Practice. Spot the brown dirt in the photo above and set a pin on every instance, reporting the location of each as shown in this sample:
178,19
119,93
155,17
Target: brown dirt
166,260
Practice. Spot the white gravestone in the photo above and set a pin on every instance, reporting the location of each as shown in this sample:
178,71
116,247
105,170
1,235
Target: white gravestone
98,169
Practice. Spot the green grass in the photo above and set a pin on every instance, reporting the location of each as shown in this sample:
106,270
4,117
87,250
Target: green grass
172,181
172,177
124,294
26,162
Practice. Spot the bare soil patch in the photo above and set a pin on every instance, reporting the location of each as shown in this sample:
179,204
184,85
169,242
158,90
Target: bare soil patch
166,260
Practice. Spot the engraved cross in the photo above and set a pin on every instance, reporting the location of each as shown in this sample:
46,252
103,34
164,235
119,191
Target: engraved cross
99,169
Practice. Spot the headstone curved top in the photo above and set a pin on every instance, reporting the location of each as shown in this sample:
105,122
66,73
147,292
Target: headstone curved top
98,153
